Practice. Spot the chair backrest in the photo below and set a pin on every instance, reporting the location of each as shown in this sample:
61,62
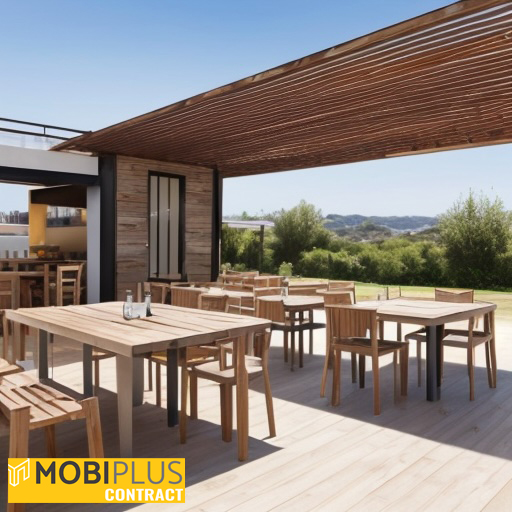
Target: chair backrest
262,292
461,296
157,289
271,310
69,278
185,297
268,281
343,285
352,322
8,291
210,302
331,299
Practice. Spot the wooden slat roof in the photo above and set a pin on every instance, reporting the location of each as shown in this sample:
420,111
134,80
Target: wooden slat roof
438,81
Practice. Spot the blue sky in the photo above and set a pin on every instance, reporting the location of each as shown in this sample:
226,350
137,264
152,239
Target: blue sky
88,64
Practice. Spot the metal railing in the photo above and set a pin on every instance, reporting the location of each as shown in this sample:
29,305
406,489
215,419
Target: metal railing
43,133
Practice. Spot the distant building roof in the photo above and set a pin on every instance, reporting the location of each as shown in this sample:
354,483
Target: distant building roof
248,224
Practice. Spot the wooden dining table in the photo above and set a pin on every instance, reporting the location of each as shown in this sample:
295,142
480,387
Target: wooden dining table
170,329
433,315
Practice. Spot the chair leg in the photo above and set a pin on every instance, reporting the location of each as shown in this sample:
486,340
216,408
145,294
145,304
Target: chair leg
150,375
493,350
324,371
269,402
226,411
158,385
336,378
193,397
51,445
183,407
395,377
404,369
362,369
376,385
353,363
5,333
96,376
310,341
471,371
488,363
18,444
418,360
91,409
285,346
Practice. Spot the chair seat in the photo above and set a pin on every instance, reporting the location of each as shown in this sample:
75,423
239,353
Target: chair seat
460,338
419,335
47,405
356,344
7,368
195,355
213,372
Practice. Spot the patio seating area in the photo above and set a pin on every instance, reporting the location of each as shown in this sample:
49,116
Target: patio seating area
448,454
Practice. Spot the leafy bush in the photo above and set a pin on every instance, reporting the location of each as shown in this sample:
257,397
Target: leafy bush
476,234
285,269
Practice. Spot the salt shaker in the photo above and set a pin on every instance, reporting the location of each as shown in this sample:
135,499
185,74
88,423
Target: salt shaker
147,301
128,306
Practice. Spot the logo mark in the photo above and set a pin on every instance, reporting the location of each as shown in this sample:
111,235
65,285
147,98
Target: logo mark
15,472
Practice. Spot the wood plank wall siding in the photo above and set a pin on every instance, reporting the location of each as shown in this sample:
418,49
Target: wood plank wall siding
435,82
133,226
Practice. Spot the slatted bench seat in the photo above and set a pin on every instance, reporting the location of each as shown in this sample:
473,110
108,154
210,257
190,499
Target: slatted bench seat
27,404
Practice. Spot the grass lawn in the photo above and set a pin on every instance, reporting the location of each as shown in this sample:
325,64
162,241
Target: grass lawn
367,291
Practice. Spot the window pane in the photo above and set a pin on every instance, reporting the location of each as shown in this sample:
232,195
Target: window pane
163,226
153,225
174,224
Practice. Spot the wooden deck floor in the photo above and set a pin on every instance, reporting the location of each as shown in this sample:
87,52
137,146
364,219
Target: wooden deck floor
450,455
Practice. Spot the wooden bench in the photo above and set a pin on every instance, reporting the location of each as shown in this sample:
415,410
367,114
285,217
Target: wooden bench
27,404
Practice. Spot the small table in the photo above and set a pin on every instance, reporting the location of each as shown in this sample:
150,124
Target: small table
296,305
170,328
433,315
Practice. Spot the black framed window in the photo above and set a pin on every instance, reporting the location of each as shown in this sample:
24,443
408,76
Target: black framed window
166,220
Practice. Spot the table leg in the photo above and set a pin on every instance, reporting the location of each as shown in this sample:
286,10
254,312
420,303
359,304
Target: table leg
434,339
138,380
43,354
172,387
242,401
87,370
124,370
46,285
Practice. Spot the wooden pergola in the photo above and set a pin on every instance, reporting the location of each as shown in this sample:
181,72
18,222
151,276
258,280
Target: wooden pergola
436,82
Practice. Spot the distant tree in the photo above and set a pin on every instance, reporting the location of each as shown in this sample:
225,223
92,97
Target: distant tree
297,230
476,234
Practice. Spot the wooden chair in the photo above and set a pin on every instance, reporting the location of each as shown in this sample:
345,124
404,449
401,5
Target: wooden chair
223,372
185,297
468,340
211,302
332,300
8,365
343,285
275,312
26,404
8,300
195,355
68,281
420,336
348,326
